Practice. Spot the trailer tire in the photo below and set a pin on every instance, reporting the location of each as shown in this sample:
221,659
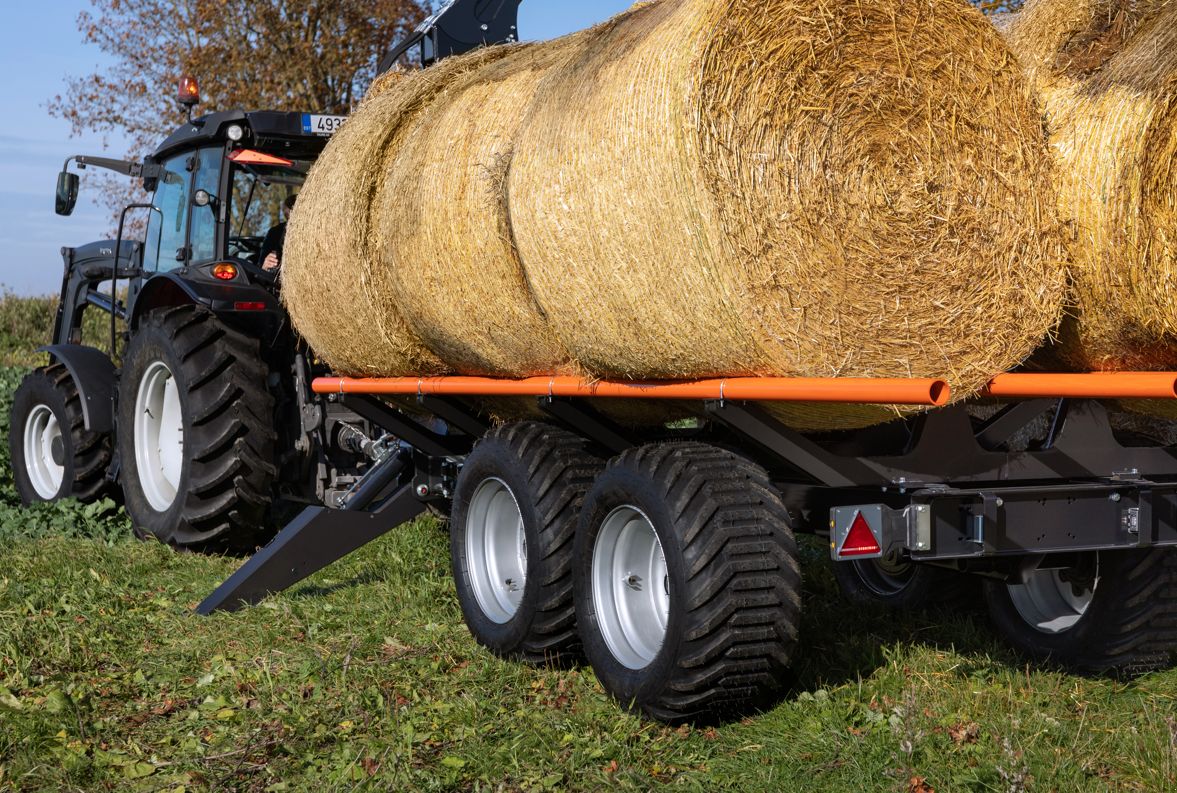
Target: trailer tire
535,475
208,383
705,634
1128,625
907,586
46,409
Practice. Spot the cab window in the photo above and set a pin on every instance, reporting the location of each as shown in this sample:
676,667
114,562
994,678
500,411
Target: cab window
204,219
167,229
256,200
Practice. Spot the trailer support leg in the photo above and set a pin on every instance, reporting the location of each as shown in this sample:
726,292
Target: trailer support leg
315,539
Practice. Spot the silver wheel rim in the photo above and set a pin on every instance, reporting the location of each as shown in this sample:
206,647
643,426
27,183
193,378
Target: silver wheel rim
631,590
41,430
496,550
159,436
1048,604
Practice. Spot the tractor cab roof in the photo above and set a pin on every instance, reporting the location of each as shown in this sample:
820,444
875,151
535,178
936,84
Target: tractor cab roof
291,135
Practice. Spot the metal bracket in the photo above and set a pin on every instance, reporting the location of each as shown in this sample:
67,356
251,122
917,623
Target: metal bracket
405,428
588,423
1006,423
451,411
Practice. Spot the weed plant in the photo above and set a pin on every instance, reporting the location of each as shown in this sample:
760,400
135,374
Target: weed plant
364,678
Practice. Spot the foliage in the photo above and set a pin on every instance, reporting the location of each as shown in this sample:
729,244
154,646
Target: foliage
283,55
26,323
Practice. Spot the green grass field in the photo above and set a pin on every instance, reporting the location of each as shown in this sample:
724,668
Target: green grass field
364,678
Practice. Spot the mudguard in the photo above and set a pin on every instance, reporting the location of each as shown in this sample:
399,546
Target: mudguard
93,374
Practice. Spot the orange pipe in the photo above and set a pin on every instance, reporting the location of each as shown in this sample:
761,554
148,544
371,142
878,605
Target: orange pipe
931,393
1094,385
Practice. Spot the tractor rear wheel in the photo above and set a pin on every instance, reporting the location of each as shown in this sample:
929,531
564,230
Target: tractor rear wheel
54,456
196,443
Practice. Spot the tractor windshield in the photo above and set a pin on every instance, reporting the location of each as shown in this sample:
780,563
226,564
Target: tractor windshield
256,200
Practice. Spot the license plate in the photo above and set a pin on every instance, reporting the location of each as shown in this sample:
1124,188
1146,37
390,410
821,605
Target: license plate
322,125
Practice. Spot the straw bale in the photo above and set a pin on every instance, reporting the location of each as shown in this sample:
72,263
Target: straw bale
450,256
1106,73
336,292
794,188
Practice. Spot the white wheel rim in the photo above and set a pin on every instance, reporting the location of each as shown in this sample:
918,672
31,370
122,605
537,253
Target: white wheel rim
1048,604
631,590
41,429
159,436
496,550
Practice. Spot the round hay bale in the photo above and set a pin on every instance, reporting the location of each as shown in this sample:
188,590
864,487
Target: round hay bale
1107,76
450,258
335,289
791,188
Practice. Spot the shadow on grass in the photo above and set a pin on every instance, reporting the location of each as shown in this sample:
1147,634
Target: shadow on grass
313,591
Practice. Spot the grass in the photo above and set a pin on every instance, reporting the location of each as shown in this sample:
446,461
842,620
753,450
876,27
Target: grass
364,678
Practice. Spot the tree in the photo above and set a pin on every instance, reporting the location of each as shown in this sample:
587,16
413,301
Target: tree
297,55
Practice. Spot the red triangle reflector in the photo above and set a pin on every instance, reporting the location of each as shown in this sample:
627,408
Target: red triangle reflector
860,541
249,157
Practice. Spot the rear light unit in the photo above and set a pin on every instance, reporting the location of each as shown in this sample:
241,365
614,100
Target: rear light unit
225,272
250,306
856,532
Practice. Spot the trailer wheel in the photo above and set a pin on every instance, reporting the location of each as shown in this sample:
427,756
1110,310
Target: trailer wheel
1113,611
511,532
903,585
687,582
54,456
195,441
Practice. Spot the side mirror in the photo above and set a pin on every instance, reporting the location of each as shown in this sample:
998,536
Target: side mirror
67,193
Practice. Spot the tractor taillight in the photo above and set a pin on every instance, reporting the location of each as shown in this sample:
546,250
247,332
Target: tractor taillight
862,532
226,272
250,306
860,541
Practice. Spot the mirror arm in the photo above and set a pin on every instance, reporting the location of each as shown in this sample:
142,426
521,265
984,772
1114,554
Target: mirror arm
136,170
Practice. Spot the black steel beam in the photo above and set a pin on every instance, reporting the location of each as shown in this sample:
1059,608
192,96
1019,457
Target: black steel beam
315,539
1007,423
403,427
451,411
588,423
755,425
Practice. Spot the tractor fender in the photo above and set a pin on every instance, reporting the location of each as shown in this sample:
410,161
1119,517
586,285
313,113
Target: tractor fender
161,291
168,289
93,374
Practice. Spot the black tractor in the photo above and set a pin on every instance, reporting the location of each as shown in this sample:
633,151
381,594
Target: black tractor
200,415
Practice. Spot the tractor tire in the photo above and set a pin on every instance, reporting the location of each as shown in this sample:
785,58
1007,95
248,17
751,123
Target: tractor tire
54,456
907,586
511,532
196,443
1116,612
687,584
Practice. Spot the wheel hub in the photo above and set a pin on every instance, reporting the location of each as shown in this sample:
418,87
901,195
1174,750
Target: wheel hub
496,550
159,436
631,587
1053,601
44,452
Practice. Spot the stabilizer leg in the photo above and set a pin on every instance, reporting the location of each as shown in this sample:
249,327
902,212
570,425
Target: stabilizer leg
313,540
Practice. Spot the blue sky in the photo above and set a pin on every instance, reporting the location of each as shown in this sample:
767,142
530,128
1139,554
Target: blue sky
40,47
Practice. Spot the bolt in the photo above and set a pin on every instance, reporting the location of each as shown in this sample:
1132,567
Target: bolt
422,490
484,27
1000,503
1114,496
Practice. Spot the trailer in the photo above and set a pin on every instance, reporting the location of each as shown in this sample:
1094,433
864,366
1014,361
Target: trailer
667,558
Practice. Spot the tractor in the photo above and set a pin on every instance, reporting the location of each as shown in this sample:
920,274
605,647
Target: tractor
200,417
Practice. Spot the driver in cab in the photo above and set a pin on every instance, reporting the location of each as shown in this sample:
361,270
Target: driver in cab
275,240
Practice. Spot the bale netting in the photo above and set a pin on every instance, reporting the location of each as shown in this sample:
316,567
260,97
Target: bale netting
1107,76
336,291
791,188
449,254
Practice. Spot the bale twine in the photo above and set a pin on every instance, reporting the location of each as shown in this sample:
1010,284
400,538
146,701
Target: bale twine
450,258
1107,76
336,291
792,188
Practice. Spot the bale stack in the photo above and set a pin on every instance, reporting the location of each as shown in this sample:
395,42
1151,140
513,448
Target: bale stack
1106,72
697,188
855,189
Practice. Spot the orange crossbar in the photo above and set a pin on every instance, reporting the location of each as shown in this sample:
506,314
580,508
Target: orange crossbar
931,393
1094,385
